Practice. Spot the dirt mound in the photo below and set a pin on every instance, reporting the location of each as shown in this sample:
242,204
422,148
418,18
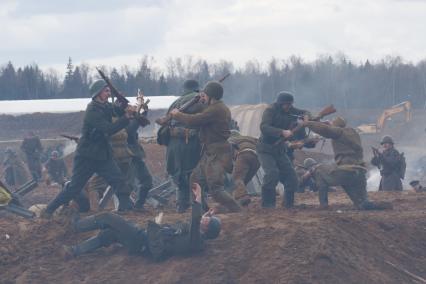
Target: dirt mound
304,245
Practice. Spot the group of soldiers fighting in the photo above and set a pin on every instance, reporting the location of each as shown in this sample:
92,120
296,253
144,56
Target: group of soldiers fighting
201,150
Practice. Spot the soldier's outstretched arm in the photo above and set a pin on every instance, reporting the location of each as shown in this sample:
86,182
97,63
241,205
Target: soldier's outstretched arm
266,124
324,130
196,215
199,119
97,120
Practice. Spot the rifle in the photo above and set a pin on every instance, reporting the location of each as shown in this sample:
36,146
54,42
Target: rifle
121,99
183,108
157,195
70,137
324,112
13,204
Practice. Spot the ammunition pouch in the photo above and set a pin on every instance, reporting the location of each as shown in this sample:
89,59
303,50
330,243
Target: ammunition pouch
163,135
183,133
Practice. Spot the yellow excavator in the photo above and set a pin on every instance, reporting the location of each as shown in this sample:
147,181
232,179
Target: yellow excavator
386,115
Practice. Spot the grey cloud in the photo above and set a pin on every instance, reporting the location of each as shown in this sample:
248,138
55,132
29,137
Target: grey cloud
25,8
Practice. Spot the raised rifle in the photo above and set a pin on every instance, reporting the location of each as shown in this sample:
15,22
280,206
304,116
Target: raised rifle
121,99
183,108
70,137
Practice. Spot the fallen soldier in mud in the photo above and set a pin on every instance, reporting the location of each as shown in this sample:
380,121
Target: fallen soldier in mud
156,241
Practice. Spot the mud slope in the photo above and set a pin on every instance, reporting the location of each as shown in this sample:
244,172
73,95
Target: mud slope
304,245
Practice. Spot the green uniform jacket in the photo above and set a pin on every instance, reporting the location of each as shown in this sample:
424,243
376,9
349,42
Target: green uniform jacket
346,142
274,121
97,128
213,122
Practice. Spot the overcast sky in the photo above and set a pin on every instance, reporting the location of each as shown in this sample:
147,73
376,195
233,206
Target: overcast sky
118,32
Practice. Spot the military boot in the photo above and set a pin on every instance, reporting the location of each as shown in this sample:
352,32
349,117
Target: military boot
240,193
226,200
268,198
86,246
323,198
124,203
288,201
368,205
141,198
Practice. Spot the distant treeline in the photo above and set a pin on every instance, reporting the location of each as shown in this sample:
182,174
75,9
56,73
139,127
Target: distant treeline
328,79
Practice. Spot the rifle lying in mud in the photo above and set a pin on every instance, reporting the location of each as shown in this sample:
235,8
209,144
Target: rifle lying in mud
183,108
70,137
156,195
11,202
26,188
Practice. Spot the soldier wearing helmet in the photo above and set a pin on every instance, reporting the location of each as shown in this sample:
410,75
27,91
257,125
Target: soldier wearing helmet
156,240
56,168
94,151
274,152
391,165
216,159
183,146
349,169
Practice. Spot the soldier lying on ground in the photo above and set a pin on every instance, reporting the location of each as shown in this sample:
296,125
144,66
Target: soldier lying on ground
157,241
349,170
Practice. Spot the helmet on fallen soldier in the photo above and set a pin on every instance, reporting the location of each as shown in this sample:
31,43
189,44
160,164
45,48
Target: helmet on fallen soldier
213,229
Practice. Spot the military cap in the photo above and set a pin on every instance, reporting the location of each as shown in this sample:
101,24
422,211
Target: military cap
191,85
96,87
309,162
213,228
387,140
285,98
213,89
414,183
339,121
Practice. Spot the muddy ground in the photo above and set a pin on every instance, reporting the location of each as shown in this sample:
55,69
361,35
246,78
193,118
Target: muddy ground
303,245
